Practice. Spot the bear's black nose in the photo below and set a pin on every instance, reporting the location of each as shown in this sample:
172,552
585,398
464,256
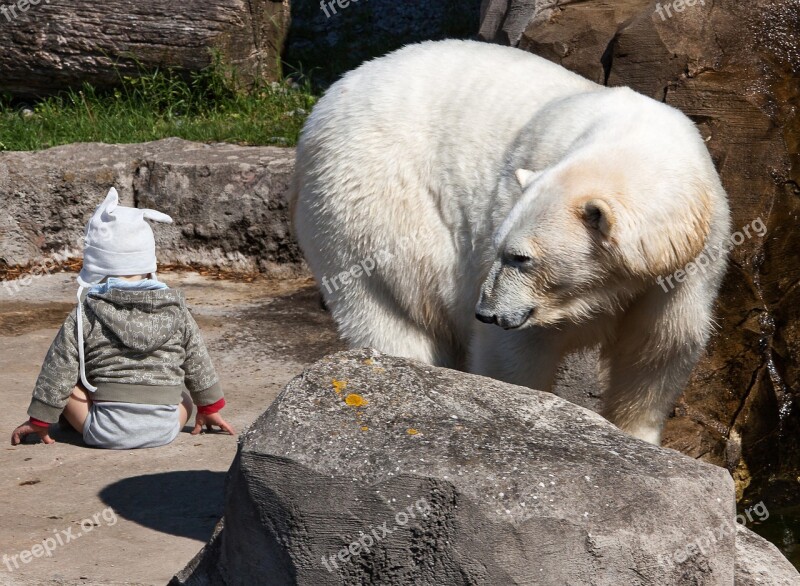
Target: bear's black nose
487,319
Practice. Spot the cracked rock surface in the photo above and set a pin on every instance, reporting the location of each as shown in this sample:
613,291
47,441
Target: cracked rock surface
460,479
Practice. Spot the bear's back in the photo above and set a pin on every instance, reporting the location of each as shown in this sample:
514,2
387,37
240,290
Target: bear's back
440,115
458,93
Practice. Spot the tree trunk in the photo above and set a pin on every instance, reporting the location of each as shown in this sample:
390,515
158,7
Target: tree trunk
59,44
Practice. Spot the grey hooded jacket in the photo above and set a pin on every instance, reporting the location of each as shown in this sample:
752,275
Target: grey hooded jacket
140,347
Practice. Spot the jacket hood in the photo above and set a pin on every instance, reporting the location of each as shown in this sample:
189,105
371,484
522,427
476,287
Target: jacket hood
141,320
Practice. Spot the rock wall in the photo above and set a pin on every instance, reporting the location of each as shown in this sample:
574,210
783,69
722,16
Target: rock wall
733,68
374,470
59,44
229,203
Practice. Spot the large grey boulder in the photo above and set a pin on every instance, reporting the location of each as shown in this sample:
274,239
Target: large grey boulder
229,203
52,45
370,469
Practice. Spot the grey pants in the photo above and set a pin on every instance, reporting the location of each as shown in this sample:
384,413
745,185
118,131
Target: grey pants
126,426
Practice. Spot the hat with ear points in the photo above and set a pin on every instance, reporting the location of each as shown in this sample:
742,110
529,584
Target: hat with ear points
118,241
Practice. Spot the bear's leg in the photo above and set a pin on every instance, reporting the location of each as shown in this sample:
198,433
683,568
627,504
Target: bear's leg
368,318
641,392
527,357
646,368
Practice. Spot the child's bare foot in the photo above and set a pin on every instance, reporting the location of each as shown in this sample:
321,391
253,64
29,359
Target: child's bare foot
209,420
28,428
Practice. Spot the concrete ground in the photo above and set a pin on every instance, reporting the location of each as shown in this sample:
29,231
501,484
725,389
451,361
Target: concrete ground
163,502
137,517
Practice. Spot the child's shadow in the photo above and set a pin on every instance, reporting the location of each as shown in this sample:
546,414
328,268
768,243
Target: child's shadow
187,503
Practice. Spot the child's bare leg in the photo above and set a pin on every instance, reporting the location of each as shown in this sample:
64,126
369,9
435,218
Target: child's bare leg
77,408
185,408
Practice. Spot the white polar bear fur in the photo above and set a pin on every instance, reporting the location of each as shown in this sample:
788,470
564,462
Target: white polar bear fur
417,160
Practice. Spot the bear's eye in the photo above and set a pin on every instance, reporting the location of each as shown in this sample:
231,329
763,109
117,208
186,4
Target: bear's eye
518,259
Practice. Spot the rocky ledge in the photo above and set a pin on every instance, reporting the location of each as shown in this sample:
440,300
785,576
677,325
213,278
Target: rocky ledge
229,202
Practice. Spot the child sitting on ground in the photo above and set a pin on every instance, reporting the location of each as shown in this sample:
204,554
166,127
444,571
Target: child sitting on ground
119,367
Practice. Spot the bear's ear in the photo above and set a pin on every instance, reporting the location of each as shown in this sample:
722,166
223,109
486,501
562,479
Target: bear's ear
525,177
599,216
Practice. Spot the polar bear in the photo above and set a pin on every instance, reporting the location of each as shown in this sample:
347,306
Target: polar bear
456,180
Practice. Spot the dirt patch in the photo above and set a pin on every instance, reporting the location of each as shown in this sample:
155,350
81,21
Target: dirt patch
74,264
20,318
307,330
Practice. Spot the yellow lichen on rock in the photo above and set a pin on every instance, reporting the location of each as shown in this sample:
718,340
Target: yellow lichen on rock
339,386
355,400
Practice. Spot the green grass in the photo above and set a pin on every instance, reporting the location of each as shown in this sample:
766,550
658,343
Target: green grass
206,107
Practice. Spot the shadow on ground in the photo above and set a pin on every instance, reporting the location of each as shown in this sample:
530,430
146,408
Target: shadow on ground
307,331
187,503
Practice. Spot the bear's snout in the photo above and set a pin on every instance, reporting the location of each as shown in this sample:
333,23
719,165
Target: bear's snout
486,318
514,320
507,322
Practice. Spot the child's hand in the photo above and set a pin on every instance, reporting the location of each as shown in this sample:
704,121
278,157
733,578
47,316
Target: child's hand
209,420
27,428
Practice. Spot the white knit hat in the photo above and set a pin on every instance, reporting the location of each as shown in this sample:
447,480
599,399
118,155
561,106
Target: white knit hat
117,242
